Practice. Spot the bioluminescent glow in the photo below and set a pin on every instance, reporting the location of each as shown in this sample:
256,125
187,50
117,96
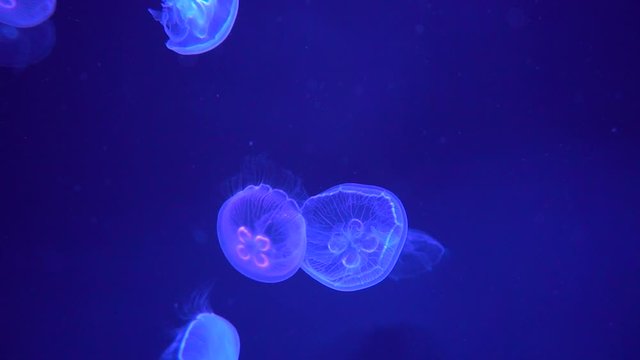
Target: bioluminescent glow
262,233
355,234
208,336
420,254
196,26
21,47
25,13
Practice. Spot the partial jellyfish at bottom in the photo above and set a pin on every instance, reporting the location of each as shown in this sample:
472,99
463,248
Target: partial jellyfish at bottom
420,254
355,234
22,47
260,228
196,26
207,336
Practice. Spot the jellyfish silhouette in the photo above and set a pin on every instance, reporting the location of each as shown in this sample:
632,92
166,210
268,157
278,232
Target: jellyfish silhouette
355,234
25,13
420,253
20,48
196,26
207,336
260,228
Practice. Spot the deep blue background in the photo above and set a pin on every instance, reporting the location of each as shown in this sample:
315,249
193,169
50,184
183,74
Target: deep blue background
508,129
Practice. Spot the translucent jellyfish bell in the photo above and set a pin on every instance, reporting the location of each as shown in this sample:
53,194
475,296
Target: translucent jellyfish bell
260,228
25,13
420,254
207,336
196,26
20,48
355,234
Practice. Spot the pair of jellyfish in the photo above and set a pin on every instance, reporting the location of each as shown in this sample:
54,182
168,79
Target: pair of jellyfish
349,237
26,37
196,26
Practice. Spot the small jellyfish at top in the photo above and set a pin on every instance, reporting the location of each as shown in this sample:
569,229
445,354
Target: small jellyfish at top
26,13
195,26
419,255
20,48
355,234
206,336
260,227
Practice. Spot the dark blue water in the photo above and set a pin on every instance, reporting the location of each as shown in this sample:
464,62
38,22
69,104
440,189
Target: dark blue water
508,129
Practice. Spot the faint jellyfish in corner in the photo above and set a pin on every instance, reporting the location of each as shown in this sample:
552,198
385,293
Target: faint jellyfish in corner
26,13
420,254
21,47
196,26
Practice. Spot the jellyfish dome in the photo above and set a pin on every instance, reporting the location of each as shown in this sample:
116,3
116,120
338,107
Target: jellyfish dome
195,26
208,336
25,13
355,234
262,233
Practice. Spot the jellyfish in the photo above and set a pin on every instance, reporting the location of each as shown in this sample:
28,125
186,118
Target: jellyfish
420,253
207,336
261,229
25,13
195,26
355,234
20,48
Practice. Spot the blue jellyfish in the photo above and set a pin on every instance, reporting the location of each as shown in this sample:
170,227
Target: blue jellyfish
262,233
260,228
420,253
355,234
20,48
25,13
208,336
196,26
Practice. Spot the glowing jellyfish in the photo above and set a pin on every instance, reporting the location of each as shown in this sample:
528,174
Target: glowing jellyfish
420,253
196,26
26,13
355,233
208,336
262,233
20,48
